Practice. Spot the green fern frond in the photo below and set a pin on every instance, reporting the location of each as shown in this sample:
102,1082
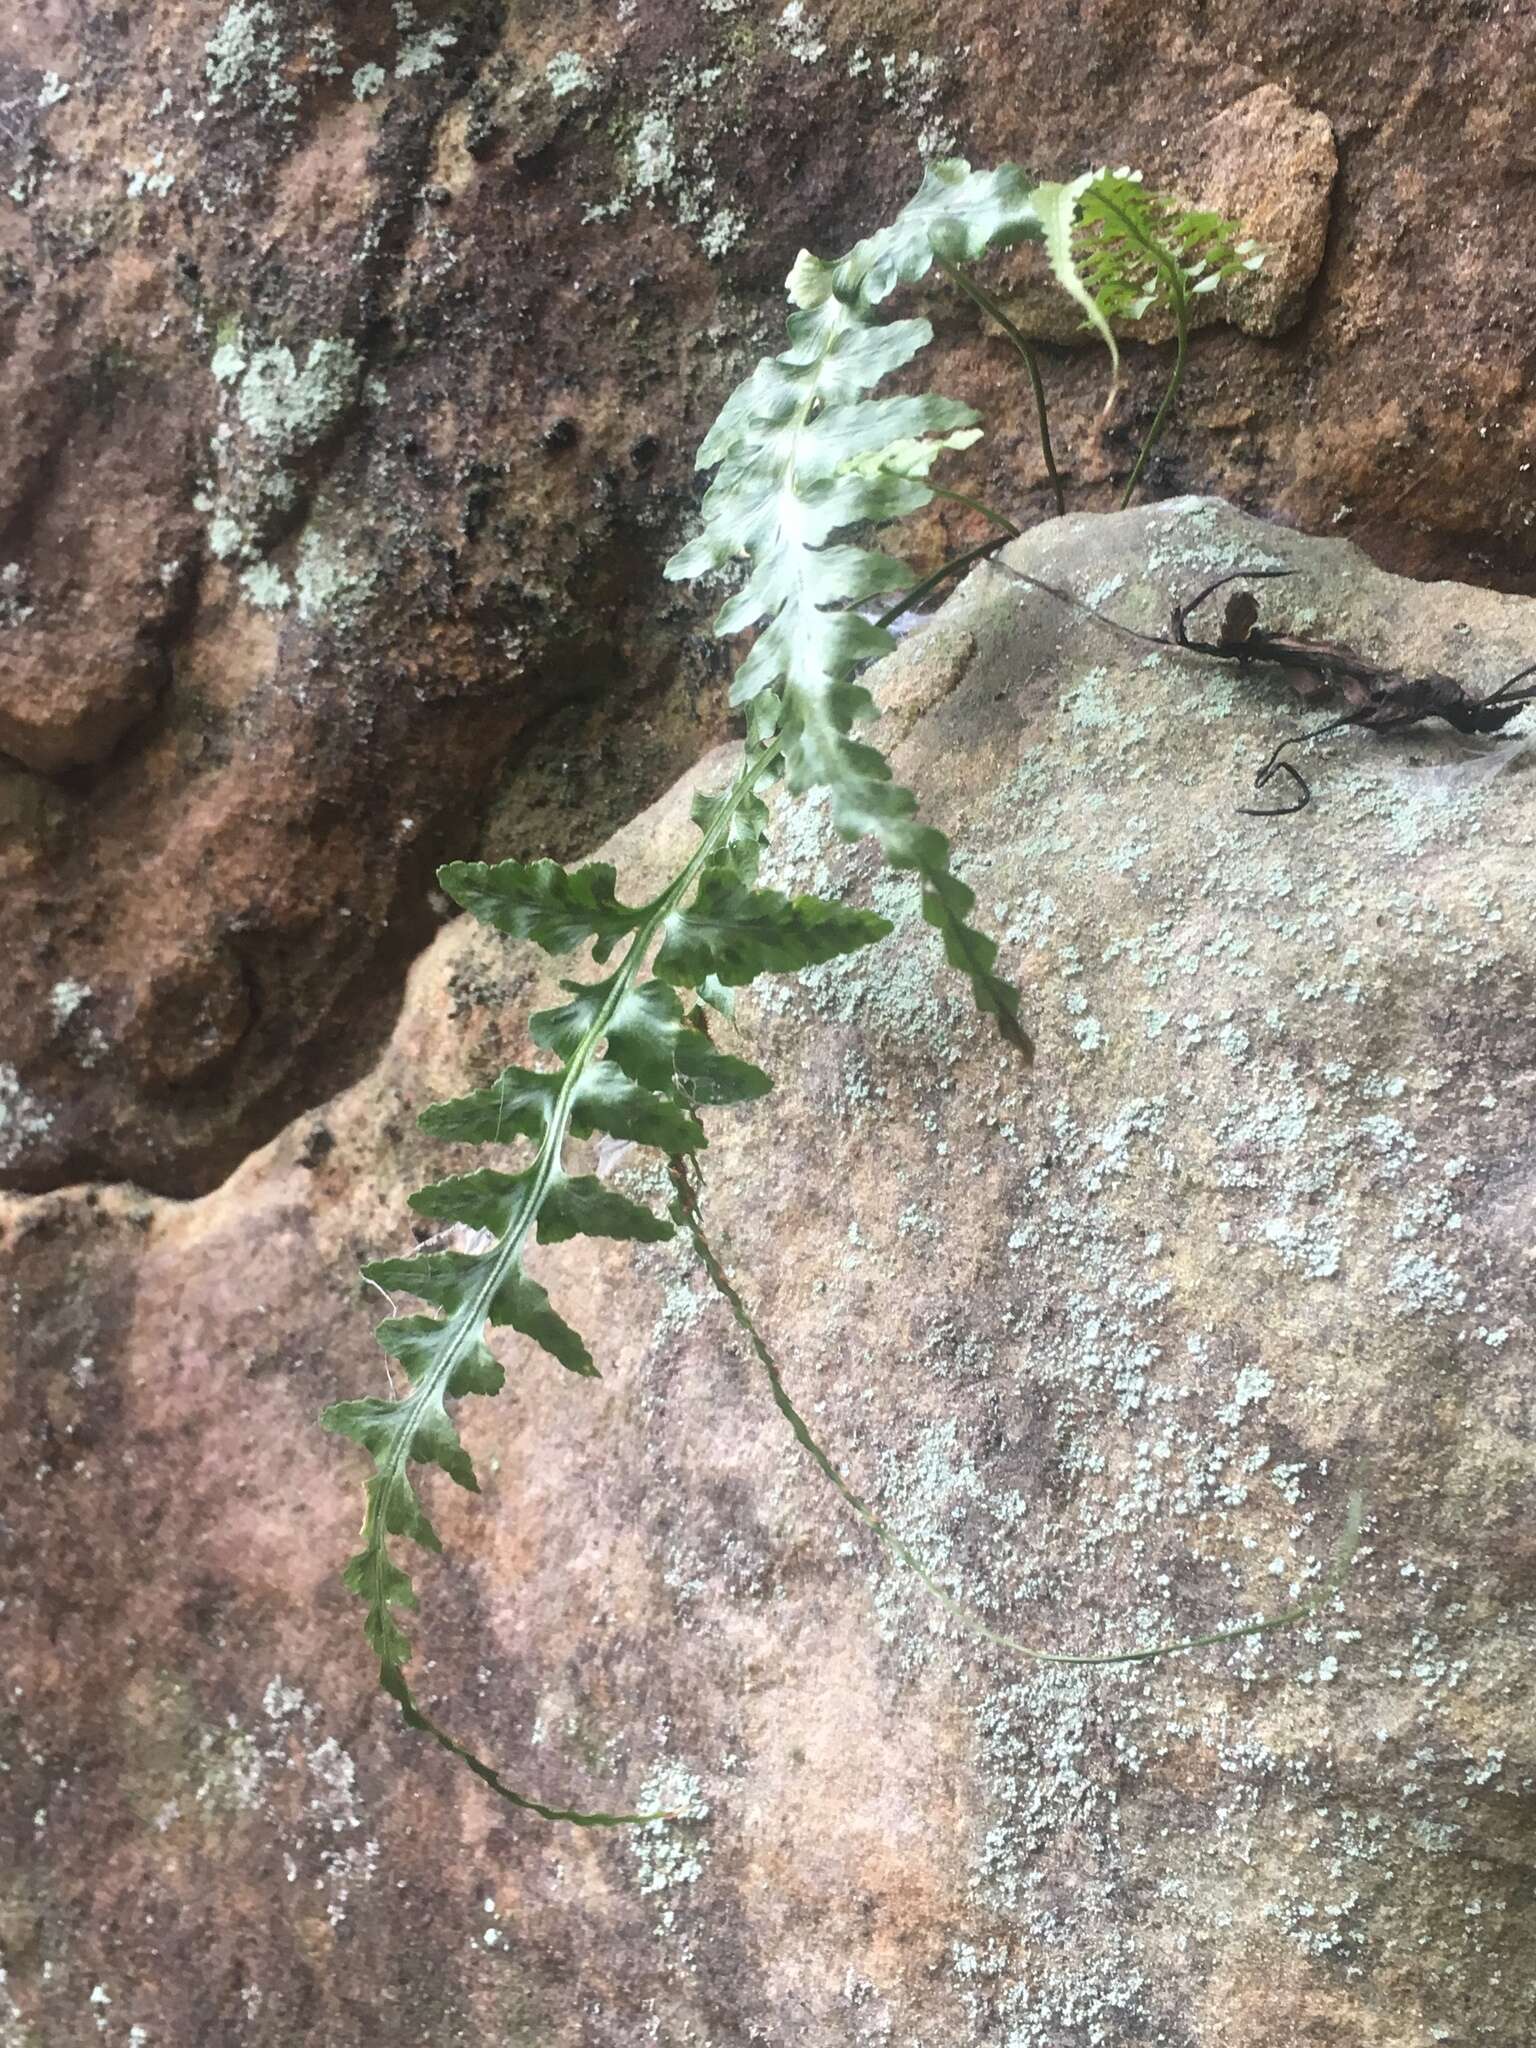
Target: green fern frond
802,452
1057,205
633,1067
1138,249
1119,250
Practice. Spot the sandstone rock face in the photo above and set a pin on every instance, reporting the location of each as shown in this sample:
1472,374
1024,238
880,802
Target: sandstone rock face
352,361
1108,1340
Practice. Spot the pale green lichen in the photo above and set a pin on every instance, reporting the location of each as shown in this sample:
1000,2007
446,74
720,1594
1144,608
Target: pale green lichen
914,85
658,166
726,226
796,30
66,998
423,48
669,1854
276,409
290,407
266,587
654,153
155,180
14,608
227,536
569,75
257,62
332,580
229,359
245,57
24,1120
69,1004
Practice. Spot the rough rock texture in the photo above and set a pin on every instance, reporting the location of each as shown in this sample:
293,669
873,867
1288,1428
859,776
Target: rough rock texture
1108,1340
352,360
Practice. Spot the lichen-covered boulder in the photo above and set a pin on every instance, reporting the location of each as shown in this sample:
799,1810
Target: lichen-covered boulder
1109,1341
352,360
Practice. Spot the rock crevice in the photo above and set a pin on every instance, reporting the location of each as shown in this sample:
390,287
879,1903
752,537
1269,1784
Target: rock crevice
1107,1340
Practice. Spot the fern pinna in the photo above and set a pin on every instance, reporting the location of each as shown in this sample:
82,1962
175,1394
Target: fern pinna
802,452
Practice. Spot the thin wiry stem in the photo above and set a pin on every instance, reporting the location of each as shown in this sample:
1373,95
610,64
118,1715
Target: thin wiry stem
976,505
935,577
1154,434
685,1210
1025,347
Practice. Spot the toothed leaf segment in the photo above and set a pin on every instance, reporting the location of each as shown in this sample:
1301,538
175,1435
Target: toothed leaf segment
538,900
801,451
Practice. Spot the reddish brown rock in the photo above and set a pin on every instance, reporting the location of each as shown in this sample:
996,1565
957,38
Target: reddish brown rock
352,362
1109,1339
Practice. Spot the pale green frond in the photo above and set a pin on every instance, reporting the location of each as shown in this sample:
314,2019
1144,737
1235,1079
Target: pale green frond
1058,209
803,451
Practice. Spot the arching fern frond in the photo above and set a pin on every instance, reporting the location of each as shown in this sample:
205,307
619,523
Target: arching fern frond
802,453
632,1067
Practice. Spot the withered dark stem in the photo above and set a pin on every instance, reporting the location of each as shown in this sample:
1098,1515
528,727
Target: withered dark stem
1275,765
1077,605
1332,665
1501,694
1278,810
1181,612
931,582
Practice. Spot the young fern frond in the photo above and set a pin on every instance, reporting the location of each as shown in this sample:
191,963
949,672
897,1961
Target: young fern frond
1120,251
1137,249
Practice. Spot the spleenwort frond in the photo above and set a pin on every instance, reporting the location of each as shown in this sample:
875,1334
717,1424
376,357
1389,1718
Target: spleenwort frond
803,453
1137,249
1119,251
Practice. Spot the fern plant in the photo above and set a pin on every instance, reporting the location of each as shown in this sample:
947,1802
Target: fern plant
802,452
